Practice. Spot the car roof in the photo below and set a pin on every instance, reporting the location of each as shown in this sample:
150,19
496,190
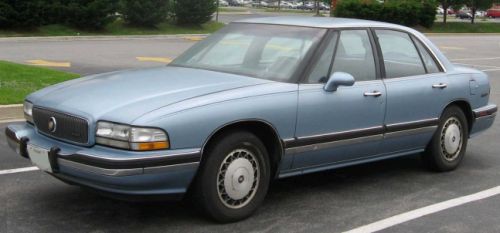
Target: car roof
334,22
318,22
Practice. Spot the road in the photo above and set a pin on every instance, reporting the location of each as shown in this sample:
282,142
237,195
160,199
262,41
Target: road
102,55
332,201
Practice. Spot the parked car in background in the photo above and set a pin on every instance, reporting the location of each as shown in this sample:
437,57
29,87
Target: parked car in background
323,6
463,15
261,99
493,13
439,11
480,13
223,3
260,4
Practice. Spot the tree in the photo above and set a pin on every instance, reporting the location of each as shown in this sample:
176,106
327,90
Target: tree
446,4
144,12
194,12
475,5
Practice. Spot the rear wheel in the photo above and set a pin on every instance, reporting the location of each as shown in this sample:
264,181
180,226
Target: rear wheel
447,147
234,178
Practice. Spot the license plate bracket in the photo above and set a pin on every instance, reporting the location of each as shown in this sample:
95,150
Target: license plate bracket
39,157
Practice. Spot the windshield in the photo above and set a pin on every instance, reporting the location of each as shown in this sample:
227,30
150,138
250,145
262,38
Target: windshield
263,51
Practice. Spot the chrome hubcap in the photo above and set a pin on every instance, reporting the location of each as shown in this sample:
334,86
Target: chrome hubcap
238,178
451,139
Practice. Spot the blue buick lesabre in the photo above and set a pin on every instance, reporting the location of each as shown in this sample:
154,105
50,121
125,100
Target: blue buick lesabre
260,99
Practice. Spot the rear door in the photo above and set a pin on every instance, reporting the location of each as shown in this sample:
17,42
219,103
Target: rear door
416,91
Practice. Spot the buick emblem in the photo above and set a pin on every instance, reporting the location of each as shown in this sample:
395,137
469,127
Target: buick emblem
52,125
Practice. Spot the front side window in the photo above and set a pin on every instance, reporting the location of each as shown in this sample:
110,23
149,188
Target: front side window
321,70
271,52
401,58
354,55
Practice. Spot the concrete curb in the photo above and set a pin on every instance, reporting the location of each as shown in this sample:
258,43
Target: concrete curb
11,105
13,112
94,38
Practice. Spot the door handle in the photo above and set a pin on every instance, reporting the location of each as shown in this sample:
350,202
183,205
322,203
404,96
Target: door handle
373,93
440,85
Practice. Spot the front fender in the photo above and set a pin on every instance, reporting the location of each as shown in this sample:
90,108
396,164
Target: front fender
190,128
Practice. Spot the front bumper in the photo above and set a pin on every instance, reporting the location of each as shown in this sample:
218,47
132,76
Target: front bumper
166,173
483,118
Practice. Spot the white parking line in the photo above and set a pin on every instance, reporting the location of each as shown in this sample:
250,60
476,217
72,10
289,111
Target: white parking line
467,64
414,214
490,70
476,59
18,170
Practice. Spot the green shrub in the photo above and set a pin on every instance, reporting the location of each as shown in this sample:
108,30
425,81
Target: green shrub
428,14
146,13
408,13
194,12
25,14
7,15
90,14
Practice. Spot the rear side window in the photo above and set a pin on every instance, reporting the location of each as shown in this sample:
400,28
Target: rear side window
401,58
429,62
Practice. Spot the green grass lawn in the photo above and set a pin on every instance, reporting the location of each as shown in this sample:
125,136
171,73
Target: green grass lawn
17,81
464,27
116,28
233,9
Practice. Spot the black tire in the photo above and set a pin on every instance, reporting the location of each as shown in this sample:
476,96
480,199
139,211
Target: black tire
218,159
443,152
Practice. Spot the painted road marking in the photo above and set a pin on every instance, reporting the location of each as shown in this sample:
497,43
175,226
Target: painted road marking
489,70
194,38
49,63
476,59
451,48
18,170
414,214
155,59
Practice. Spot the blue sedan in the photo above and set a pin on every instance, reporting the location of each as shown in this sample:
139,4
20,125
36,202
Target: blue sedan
258,100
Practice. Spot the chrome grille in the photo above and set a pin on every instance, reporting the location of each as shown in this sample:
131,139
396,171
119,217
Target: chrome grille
69,128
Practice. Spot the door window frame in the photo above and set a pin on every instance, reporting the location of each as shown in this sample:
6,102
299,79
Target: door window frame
336,32
413,38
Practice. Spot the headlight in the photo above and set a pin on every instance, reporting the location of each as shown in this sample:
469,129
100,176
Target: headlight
131,138
28,111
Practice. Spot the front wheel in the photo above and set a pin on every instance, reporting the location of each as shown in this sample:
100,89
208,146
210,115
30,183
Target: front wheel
447,147
234,177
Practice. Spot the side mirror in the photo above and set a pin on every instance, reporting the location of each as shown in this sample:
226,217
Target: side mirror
338,79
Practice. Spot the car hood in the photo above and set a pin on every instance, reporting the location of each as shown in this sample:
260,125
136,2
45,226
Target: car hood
126,95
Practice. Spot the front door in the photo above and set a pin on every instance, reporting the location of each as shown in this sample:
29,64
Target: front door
346,124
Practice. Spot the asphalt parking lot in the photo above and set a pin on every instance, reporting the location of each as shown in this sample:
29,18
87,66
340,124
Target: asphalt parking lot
333,201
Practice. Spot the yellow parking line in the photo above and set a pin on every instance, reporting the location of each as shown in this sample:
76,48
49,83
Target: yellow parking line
451,48
48,63
155,59
194,38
